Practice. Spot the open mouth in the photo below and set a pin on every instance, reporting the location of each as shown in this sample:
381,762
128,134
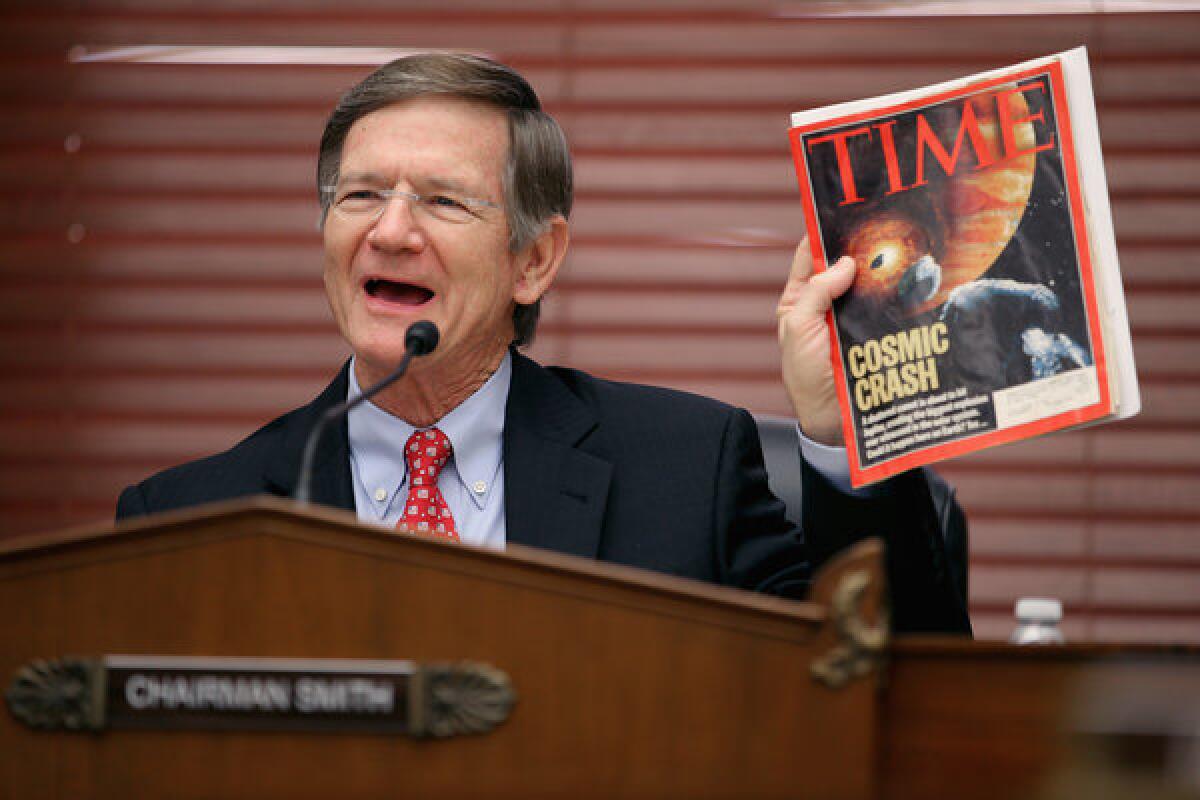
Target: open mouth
404,294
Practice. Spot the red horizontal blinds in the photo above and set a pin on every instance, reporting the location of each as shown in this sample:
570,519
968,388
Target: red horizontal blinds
160,293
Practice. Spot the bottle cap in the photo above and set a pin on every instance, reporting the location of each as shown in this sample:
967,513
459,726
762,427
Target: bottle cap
1039,609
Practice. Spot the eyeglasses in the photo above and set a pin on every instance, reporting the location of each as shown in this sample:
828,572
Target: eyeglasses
368,204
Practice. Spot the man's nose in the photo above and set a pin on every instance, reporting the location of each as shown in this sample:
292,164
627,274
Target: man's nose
398,227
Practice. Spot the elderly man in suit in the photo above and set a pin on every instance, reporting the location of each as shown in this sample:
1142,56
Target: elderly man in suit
445,192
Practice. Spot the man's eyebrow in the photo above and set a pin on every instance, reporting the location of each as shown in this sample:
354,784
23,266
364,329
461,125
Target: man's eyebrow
362,177
434,182
439,182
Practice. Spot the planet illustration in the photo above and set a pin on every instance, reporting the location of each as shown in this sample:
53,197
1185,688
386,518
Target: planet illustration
915,248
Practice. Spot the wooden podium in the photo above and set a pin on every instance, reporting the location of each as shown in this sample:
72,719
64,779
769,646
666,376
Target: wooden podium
522,674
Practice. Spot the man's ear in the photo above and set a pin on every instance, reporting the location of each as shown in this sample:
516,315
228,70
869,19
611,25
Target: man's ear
539,263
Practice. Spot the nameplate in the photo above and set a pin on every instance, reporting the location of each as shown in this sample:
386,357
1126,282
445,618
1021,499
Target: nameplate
170,692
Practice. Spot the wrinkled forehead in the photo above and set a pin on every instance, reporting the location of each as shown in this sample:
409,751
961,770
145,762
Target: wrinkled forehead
430,137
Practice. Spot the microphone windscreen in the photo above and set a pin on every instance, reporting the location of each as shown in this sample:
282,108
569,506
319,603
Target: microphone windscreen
421,338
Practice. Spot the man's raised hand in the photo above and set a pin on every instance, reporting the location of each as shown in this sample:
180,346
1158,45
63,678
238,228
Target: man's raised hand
804,340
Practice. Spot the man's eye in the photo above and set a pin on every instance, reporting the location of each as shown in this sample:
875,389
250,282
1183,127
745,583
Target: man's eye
446,202
359,196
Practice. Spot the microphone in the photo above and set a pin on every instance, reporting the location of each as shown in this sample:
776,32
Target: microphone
420,339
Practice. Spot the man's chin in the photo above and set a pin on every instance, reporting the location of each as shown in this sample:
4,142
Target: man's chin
381,340
379,358
382,352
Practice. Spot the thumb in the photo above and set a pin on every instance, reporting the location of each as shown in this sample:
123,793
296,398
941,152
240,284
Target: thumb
825,287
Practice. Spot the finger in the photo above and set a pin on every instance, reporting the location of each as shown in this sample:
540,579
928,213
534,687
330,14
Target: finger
802,264
798,276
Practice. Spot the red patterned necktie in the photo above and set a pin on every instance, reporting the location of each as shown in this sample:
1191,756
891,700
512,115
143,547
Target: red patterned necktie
425,510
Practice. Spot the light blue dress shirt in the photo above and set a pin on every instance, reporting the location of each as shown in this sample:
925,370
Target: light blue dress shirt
472,482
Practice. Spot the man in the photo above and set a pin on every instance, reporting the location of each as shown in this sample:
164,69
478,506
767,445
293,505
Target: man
445,191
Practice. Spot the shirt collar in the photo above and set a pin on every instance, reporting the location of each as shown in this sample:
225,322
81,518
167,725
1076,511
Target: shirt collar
475,429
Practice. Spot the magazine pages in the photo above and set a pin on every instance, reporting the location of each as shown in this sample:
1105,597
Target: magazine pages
987,304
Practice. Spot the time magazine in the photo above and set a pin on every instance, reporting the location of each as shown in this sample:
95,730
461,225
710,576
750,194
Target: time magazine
987,305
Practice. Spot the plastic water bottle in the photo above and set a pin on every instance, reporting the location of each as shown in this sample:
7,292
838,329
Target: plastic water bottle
1037,621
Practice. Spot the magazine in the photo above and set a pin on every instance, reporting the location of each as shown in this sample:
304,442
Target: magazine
987,304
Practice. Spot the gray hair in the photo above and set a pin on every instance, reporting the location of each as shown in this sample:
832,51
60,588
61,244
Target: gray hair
538,182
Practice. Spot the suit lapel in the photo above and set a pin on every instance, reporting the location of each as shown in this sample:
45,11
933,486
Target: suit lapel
331,466
555,493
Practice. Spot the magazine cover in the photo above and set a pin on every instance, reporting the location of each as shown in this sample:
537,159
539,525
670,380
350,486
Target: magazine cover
973,319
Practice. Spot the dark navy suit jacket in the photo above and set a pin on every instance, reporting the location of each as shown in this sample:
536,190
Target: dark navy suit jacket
635,475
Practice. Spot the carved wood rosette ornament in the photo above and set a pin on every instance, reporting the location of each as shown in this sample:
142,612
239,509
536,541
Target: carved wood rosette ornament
66,693
459,699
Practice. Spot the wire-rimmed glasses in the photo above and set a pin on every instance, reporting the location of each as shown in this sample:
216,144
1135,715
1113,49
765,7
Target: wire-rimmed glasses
367,204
